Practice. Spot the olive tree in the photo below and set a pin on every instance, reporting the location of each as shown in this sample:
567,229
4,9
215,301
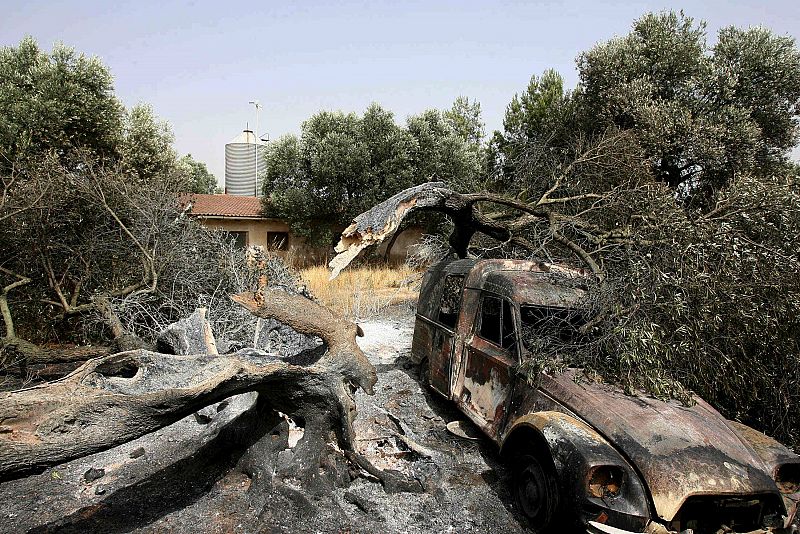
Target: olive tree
701,114
343,163
55,102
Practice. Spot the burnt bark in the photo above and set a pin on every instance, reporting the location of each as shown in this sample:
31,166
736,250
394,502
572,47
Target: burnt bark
382,222
116,398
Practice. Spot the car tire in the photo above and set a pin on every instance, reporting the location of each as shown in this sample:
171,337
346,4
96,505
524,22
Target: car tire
537,493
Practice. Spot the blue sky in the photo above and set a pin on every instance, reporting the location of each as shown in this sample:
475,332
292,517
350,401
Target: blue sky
199,63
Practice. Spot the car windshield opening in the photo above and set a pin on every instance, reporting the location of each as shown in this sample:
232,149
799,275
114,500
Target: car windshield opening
543,327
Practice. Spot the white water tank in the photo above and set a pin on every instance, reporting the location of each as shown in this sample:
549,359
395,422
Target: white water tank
241,154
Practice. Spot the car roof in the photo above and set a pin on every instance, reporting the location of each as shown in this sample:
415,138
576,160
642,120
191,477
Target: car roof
520,280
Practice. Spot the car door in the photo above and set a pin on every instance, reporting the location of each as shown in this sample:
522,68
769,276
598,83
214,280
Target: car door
442,334
486,380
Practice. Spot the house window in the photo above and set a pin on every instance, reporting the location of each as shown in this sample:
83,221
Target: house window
277,240
239,239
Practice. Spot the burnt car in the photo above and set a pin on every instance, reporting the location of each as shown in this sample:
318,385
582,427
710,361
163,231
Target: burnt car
584,452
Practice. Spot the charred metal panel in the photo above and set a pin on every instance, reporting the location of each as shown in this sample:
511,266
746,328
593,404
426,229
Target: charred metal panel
772,452
487,271
680,451
486,385
434,342
577,449
774,455
485,376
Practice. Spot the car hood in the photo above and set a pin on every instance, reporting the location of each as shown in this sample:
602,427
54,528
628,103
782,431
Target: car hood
679,450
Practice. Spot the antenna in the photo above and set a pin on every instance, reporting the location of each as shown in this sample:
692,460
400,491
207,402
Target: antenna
258,106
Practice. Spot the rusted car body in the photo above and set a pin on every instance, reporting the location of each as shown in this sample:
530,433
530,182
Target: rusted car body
618,463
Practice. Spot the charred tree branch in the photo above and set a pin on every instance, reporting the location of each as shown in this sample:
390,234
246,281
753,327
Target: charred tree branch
382,221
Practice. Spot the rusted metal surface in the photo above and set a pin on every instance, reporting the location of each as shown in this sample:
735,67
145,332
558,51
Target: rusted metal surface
682,467
680,451
577,449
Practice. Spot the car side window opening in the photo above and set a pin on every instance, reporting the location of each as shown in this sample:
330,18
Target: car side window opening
451,300
497,322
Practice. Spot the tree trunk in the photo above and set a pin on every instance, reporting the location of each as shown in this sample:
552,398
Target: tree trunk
114,399
8,320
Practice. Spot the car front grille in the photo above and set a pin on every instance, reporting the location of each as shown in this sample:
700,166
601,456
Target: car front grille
709,514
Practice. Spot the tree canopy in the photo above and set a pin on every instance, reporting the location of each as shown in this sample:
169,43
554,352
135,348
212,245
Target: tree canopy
146,146
88,191
343,163
200,179
59,101
666,172
62,103
700,113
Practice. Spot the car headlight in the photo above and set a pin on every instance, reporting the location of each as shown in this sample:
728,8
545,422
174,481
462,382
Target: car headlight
787,478
604,481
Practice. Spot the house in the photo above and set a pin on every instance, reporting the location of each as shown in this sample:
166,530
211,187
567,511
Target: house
241,217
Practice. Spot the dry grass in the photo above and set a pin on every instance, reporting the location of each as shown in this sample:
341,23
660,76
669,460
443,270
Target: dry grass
363,291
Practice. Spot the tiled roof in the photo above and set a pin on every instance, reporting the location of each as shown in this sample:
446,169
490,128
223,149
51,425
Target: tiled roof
223,205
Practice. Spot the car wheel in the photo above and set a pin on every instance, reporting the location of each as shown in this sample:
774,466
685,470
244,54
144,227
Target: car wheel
536,492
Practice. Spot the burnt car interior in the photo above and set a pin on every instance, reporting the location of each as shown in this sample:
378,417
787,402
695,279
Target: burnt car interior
497,322
563,324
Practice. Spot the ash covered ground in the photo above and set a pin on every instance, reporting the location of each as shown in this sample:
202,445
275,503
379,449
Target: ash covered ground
203,475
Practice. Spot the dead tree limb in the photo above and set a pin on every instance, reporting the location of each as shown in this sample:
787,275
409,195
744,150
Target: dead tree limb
5,310
379,223
114,399
382,221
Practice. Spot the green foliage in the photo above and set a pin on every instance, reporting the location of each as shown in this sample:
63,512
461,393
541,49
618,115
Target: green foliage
146,147
668,167
539,113
87,189
342,164
700,115
59,101
441,154
761,72
63,103
465,120
544,114
199,179
716,302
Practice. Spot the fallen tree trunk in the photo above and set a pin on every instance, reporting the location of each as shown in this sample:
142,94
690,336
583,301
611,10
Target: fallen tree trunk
117,398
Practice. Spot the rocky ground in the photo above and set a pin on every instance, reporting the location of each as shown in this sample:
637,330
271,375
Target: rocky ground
202,475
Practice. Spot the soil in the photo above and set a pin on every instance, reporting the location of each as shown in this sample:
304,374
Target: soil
202,475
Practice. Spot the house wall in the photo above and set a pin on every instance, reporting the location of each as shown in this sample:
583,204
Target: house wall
256,228
299,252
409,236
